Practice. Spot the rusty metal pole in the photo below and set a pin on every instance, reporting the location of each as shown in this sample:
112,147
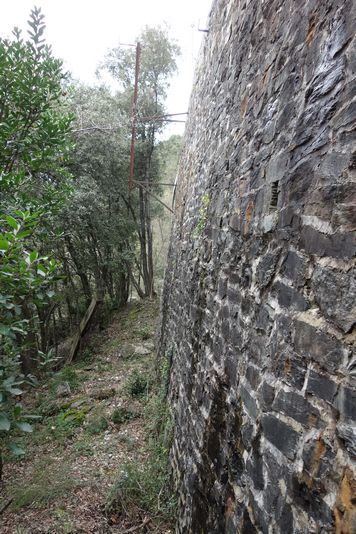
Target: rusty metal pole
134,116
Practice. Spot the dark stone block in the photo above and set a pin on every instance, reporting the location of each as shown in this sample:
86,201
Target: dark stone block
260,516
336,245
247,526
266,267
266,396
296,407
256,469
321,386
289,298
246,435
263,319
233,295
234,222
335,293
285,522
249,402
294,267
236,336
231,369
273,499
290,368
311,500
347,434
318,346
246,306
319,460
253,376
280,435
346,403
222,287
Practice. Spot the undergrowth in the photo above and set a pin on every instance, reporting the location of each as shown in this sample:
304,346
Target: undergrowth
146,485
50,481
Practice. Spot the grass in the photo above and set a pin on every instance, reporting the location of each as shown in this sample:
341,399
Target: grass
49,482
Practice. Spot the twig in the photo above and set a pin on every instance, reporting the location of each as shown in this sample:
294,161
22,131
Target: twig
134,529
6,505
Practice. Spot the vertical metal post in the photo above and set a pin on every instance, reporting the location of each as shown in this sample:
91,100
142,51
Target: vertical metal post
134,116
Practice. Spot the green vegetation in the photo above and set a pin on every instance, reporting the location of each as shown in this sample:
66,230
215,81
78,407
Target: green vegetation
68,374
70,230
122,415
146,485
97,425
203,215
137,384
50,480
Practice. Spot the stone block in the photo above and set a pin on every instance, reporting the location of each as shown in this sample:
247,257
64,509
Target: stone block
288,297
281,435
248,402
335,293
266,396
297,407
346,403
338,245
294,267
317,346
321,386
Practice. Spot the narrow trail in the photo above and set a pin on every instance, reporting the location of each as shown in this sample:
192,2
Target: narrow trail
92,424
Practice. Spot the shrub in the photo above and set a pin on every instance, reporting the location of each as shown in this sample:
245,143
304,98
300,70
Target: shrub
122,415
137,384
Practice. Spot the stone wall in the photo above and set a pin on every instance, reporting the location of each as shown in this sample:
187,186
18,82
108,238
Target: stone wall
258,310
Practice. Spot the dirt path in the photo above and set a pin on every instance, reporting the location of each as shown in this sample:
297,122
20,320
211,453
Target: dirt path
92,425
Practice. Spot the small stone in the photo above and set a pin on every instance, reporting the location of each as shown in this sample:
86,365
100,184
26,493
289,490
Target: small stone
127,350
142,350
63,390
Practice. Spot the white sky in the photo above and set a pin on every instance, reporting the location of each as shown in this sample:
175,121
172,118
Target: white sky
81,31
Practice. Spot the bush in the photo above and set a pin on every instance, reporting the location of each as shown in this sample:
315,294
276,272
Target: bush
137,384
97,425
122,415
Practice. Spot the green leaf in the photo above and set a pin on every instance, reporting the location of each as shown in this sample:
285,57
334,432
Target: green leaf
41,270
4,422
23,234
33,256
25,427
12,222
17,410
4,244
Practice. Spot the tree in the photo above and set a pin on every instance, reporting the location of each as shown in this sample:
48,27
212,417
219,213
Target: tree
34,146
156,67
98,230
